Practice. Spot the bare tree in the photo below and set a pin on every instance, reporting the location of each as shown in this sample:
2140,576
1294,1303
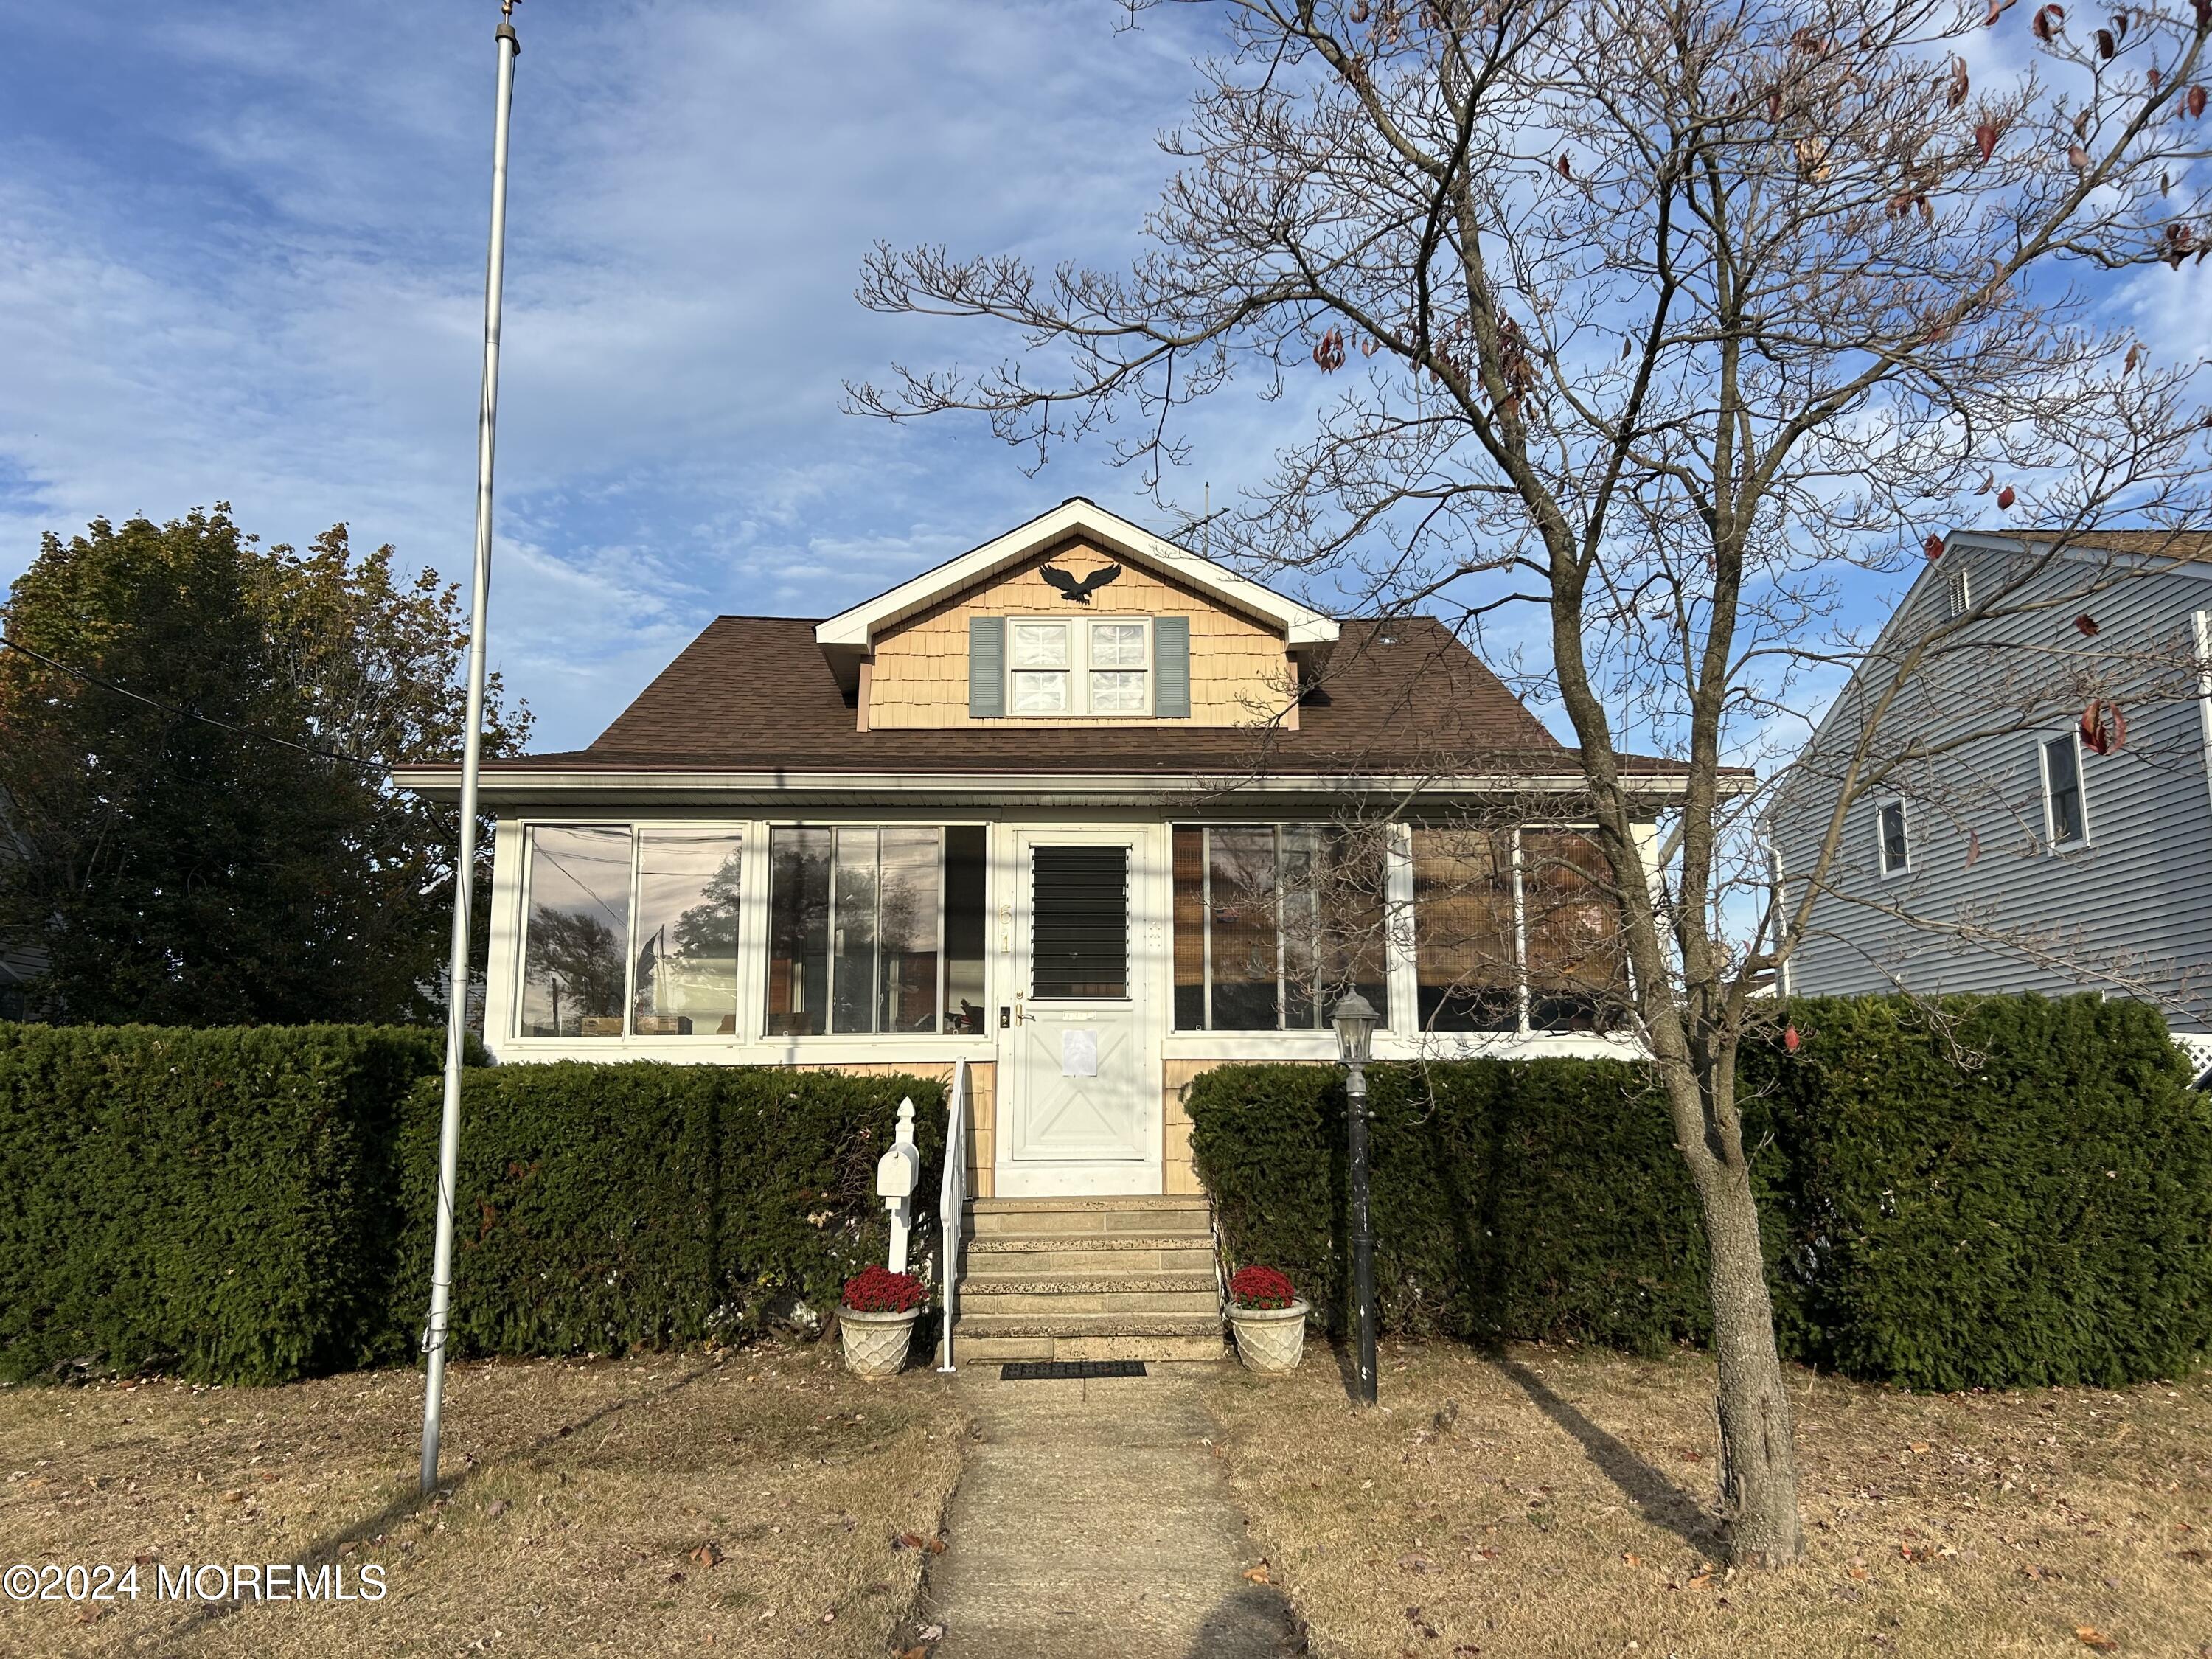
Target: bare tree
1661,321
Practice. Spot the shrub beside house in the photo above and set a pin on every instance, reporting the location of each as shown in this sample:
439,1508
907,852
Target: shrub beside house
1985,1192
254,1206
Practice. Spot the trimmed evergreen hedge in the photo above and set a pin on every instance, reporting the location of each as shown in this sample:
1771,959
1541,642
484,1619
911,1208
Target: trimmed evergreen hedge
1538,1199
1993,1191
2017,1191
602,1207
254,1206
216,1203
2014,1190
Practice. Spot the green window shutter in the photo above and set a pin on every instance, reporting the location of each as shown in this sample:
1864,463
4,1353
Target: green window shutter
1171,668
987,667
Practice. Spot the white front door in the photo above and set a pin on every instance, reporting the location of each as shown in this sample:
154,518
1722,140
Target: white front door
1082,1091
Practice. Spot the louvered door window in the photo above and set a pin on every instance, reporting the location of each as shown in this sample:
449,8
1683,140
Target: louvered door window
1079,922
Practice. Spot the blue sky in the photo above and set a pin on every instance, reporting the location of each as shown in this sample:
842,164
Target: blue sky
241,253
241,258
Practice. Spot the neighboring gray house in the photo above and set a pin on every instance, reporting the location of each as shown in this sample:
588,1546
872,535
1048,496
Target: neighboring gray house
1999,830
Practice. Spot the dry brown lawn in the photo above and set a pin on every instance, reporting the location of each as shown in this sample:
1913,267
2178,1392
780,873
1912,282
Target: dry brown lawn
1554,1501
580,1496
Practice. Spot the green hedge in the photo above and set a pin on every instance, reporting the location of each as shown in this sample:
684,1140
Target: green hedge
601,1208
253,1205
1538,1199
1992,1191
216,1203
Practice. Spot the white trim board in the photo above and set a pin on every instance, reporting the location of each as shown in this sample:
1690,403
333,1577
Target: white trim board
856,629
984,789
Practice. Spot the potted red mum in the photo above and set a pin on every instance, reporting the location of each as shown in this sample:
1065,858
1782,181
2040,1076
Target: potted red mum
1269,1318
875,1317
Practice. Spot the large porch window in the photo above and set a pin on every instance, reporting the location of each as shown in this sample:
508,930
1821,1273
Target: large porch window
592,888
1274,923
875,930
1515,930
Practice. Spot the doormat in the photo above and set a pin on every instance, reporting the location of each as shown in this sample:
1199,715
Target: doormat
1056,1371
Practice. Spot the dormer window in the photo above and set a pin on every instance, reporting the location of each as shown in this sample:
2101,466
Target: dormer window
1069,665
1044,656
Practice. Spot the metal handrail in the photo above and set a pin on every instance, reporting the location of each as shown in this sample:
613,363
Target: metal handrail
953,1201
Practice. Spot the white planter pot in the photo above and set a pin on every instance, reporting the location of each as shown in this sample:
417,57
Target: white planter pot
1269,1340
876,1343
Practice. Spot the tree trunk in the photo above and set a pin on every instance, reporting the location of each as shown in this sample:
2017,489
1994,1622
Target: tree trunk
1759,1466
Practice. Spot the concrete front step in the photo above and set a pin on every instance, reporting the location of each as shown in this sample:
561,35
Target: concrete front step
1107,1278
991,1338
1092,1202
1057,1254
1157,1349
1015,1217
1161,1293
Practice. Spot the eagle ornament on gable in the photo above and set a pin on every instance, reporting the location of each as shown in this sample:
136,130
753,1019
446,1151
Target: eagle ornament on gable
1078,589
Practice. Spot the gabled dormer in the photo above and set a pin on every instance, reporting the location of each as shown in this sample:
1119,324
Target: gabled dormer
1079,617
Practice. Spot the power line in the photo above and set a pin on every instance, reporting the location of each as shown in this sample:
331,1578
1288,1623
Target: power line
190,714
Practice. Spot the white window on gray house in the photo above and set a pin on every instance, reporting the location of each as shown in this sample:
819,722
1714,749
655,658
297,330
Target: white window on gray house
2066,820
590,890
1896,849
1957,593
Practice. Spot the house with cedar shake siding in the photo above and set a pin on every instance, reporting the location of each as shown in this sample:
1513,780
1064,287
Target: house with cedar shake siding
1064,808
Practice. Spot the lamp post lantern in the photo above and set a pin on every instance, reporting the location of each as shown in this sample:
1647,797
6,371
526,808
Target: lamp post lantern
1355,1020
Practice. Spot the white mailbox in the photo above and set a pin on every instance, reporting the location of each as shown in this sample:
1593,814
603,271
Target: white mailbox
896,1172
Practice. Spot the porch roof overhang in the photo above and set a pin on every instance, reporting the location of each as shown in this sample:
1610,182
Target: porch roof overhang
1200,793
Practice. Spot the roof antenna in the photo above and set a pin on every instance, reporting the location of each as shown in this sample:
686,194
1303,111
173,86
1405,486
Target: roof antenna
1206,523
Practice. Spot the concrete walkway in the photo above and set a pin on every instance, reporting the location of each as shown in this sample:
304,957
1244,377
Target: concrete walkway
1092,1517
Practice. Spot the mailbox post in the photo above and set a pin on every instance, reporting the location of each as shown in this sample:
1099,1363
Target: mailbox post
897,1171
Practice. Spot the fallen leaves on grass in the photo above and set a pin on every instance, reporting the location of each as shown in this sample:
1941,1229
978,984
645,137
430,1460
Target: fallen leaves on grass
1256,1575
708,1554
2093,1638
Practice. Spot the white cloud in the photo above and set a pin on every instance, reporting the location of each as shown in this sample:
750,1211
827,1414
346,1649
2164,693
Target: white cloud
249,264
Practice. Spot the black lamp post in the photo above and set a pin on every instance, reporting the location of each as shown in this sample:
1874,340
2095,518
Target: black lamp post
1354,1020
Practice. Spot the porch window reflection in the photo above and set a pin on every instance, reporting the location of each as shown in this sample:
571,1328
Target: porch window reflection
575,940
1274,924
1507,942
875,931
685,982
1577,973
1467,952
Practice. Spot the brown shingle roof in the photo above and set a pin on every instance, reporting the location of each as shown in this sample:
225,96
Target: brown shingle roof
755,693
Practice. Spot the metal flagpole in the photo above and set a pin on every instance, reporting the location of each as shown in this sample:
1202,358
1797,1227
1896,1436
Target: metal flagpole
457,991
